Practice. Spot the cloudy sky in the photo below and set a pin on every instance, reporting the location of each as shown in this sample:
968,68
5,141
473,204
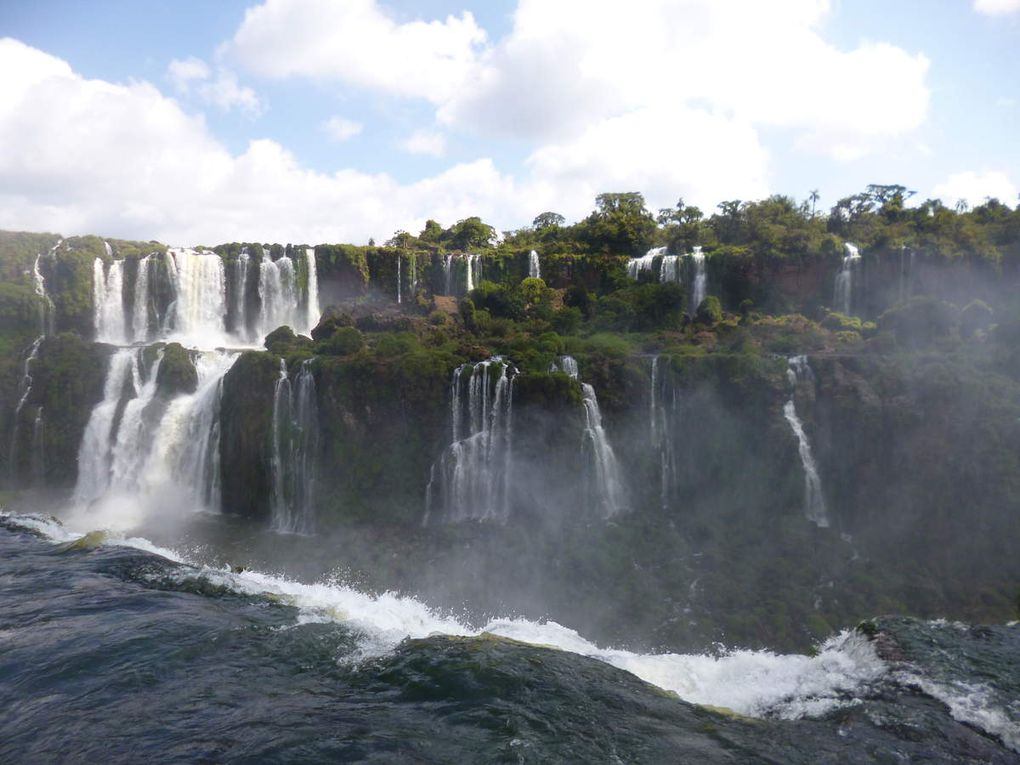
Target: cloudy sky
338,120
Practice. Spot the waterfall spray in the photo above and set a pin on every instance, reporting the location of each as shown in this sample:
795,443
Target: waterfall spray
799,373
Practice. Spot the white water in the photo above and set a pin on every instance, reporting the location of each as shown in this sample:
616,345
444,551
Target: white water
471,480
108,307
197,316
448,274
534,266
39,285
645,263
399,293
294,453
755,683
699,285
473,271
671,269
605,485
24,391
799,372
844,291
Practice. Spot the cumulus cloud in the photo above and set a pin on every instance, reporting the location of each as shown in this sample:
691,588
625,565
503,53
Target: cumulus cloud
85,155
341,128
425,142
357,43
974,188
997,7
567,65
222,89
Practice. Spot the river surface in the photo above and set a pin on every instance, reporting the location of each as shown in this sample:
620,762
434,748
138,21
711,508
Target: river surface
115,649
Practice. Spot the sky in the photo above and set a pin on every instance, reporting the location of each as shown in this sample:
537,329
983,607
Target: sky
307,121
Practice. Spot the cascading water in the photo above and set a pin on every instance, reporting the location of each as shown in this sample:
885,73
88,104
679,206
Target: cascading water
843,296
645,263
663,424
201,296
140,443
799,373
240,292
534,267
46,316
24,390
140,318
699,284
473,271
670,266
671,269
294,452
399,293
108,302
605,485
448,274
471,480
312,310
278,294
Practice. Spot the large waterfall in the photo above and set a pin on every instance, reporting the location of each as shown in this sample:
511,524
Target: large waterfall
294,452
198,313
473,271
799,373
635,266
843,298
471,480
142,443
604,484
670,266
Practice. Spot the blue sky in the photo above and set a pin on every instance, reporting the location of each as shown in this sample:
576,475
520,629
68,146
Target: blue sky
202,122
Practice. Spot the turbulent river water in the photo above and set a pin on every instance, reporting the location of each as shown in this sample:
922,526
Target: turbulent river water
114,648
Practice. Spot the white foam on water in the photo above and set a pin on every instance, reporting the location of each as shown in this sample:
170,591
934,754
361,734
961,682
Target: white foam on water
754,683
974,704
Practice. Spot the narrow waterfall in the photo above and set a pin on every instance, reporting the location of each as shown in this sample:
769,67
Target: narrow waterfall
663,425
645,263
24,390
294,452
108,302
473,271
448,274
843,297
138,443
471,479
534,267
46,317
278,294
799,373
313,312
140,318
399,295
699,284
605,485
240,293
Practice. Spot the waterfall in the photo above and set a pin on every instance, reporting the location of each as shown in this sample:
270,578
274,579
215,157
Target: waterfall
448,274
294,452
663,425
137,443
314,313
95,455
201,296
277,293
39,285
799,372
844,291
471,479
645,263
24,390
240,291
605,484
700,281
140,318
109,319
399,297
471,264
534,267
670,270
186,445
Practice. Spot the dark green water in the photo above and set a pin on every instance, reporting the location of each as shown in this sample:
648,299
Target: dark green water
113,650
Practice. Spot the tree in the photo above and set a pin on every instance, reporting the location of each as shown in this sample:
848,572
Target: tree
432,232
469,234
548,220
813,197
620,224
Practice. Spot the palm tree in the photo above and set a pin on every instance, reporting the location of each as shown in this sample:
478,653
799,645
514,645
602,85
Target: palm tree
813,196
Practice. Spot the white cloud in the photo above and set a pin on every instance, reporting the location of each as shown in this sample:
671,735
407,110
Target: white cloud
975,188
355,42
86,155
425,142
341,128
222,91
996,7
